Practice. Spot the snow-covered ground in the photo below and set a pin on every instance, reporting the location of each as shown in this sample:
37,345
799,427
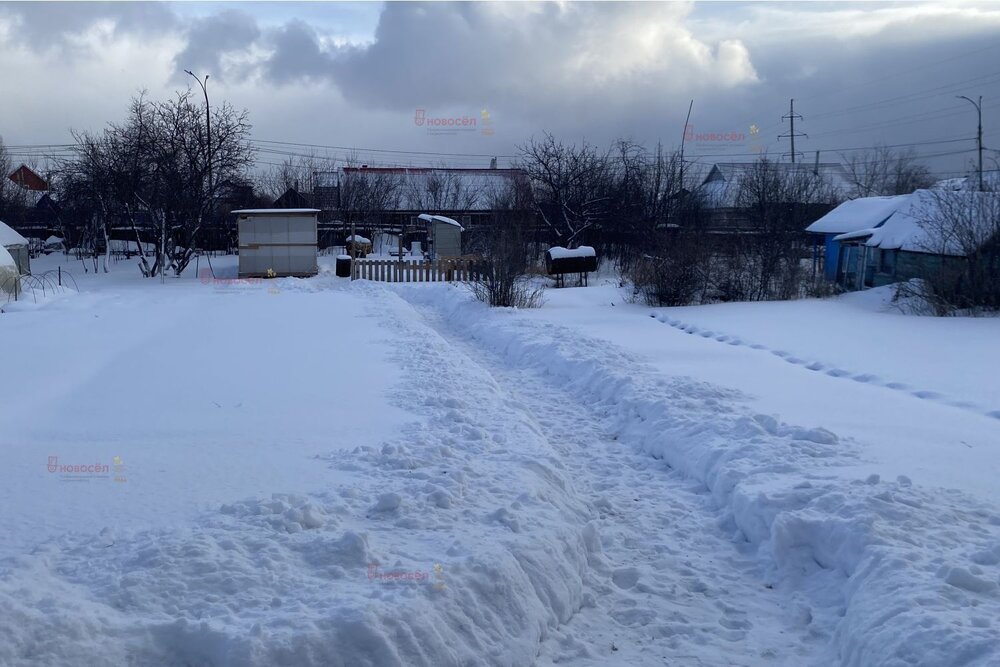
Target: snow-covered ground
319,472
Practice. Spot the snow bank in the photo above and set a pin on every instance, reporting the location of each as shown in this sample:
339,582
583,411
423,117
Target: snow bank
458,542
891,573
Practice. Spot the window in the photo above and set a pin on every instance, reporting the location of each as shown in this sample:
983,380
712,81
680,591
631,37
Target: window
887,262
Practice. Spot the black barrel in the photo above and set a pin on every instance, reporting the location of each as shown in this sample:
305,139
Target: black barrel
343,266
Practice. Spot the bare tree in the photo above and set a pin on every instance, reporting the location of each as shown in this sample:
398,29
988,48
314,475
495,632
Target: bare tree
441,190
961,248
571,186
502,277
765,260
883,171
150,173
665,254
298,172
366,194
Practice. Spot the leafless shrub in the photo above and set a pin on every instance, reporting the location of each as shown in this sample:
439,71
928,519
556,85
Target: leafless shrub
962,247
503,277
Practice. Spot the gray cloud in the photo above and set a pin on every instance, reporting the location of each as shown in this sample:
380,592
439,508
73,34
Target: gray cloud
297,54
213,37
582,70
51,25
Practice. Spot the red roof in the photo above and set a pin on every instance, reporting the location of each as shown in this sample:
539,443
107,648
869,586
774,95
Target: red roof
426,170
28,179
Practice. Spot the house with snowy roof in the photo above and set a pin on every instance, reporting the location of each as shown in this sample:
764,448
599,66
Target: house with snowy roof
875,241
720,189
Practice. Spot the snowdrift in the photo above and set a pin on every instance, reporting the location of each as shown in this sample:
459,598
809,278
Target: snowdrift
896,574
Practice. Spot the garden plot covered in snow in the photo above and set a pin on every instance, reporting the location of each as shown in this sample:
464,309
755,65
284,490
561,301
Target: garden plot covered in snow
582,484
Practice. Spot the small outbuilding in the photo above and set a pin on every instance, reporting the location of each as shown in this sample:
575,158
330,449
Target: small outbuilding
444,236
17,246
277,242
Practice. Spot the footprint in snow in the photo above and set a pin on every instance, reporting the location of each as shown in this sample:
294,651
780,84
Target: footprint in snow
931,395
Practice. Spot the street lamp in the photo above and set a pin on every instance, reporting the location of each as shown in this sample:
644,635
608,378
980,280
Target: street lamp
208,125
979,132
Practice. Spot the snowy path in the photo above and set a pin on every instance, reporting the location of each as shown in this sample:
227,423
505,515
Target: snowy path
672,584
879,572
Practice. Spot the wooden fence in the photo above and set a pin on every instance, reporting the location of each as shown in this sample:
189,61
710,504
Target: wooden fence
395,271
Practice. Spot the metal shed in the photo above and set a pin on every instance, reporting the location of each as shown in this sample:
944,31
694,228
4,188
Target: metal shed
277,242
444,236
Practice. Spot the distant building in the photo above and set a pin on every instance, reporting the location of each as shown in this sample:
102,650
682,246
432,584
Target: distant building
292,198
393,197
721,188
26,178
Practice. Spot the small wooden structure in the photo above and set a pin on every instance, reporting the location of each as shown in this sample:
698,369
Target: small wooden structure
560,261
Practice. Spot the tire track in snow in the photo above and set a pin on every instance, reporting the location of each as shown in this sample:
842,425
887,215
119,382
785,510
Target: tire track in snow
831,370
672,581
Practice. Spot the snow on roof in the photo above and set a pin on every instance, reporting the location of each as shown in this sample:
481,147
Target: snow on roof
991,181
856,214
357,238
562,253
6,261
914,225
859,234
427,217
278,211
8,237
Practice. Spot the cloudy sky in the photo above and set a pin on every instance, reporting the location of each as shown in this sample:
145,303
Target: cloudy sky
355,75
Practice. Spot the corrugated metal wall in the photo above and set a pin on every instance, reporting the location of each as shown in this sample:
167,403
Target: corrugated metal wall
285,244
447,240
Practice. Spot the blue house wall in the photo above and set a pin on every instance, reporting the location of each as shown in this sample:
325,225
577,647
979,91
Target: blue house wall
831,256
